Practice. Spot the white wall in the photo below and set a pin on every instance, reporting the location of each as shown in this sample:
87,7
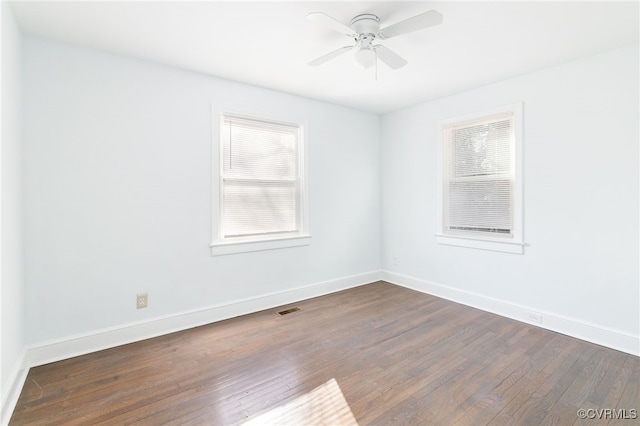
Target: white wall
11,278
118,184
581,194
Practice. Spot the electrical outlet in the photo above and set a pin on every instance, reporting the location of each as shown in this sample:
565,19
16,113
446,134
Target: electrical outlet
534,317
395,260
141,300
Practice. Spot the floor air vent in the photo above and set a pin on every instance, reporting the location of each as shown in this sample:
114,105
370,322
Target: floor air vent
288,311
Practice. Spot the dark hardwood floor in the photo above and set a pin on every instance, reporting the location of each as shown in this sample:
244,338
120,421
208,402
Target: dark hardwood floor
376,354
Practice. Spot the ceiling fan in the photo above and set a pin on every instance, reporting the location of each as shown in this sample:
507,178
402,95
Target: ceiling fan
365,29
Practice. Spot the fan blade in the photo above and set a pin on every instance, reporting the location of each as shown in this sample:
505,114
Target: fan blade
329,22
418,22
389,57
325,58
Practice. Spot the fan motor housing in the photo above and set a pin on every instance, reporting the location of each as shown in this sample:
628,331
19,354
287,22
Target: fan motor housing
366,23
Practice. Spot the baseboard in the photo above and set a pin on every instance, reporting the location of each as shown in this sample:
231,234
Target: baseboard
111,337
11,392
593,333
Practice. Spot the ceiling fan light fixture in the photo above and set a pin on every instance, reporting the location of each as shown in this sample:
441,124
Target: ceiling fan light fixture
365,57
364,29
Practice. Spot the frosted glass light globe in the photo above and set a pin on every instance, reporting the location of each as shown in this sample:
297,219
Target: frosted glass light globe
365,58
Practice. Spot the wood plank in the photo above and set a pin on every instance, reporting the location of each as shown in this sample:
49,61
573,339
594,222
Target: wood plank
535,407
576,396
629,402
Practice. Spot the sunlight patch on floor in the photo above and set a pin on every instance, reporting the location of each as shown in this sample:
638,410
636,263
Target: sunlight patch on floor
325,405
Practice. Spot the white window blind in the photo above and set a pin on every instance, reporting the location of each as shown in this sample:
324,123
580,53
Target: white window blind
479,177
260,178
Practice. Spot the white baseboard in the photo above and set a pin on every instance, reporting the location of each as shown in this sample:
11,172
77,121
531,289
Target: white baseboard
115,336
593,333
11,392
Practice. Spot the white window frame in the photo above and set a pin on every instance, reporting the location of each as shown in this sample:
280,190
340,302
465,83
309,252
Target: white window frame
508,244
223,246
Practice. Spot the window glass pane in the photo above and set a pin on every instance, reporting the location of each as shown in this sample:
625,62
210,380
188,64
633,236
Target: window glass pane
260,178
480,206
479,181
259,150
482,149
255,208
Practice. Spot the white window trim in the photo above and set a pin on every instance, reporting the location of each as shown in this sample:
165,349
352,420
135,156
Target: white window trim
220,246
218,249
514,244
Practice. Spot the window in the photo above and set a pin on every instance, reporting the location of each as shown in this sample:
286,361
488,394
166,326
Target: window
480,181
261,190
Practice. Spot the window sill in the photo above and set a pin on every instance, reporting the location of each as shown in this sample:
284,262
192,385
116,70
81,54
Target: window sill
221,249
515,247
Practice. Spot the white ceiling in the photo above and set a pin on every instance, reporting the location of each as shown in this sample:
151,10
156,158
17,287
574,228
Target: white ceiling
268,44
